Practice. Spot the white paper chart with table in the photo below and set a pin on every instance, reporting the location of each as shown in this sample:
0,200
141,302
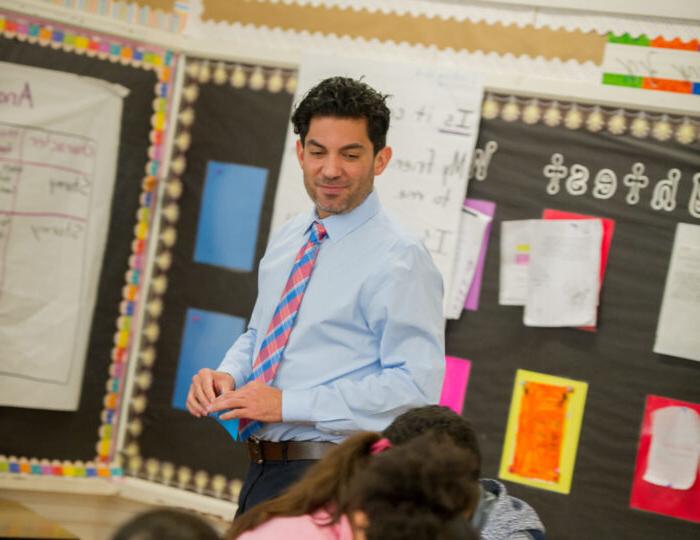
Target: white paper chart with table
58,139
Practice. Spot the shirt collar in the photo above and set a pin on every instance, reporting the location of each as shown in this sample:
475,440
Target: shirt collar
339,225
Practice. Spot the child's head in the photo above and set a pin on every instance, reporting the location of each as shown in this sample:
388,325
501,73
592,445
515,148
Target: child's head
439,421
166,523
417,490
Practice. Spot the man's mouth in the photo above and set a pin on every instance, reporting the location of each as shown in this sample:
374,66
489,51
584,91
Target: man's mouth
331,189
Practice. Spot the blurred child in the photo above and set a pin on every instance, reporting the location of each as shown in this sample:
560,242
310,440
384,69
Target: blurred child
367,490
166,524
498,516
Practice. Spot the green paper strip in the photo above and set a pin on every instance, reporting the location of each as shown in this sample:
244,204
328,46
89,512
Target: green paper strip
626,39
616,79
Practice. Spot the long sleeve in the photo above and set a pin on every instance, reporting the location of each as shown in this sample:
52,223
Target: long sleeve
238,360
402,306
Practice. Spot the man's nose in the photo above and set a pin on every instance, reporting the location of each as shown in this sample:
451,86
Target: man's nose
331,167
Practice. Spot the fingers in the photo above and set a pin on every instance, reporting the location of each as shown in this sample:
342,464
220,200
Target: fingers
223,382
207,383
201,392
193,405
227,400
235,413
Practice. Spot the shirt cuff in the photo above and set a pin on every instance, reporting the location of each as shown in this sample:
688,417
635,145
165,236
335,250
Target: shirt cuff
237,374
296,406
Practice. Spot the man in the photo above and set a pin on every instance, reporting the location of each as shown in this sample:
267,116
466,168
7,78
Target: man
347,330
498,516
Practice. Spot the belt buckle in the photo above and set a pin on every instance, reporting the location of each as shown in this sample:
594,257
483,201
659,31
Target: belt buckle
255,450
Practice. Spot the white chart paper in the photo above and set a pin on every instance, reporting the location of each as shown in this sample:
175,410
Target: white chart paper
434,127
563,274
675,448
471,238
59,136
516,237
678,330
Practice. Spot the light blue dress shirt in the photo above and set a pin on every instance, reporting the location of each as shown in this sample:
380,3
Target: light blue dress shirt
368,342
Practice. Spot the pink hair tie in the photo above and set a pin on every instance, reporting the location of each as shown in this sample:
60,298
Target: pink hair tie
380,446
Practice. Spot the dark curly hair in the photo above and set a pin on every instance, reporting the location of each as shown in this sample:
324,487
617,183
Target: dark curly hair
344,97
419,490
166,523
438,420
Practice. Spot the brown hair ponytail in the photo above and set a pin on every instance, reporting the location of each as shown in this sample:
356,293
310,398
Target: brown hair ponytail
323,485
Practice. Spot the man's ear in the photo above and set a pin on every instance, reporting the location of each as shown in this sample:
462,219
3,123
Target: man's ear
300,152
382,159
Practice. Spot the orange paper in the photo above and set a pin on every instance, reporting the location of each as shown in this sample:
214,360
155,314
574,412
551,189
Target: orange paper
540,432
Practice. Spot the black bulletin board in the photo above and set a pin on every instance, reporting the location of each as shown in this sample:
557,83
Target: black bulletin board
73,435
617,361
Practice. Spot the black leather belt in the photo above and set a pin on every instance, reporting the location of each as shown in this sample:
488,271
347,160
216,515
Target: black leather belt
262,451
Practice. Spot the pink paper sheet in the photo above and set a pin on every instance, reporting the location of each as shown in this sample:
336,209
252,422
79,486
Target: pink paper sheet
454,385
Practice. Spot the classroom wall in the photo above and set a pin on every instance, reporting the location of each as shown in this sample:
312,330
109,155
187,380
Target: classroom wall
257,44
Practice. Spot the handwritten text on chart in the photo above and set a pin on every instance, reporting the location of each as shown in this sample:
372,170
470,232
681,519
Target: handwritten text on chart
652,62
46,183
424,165
455,122
19,97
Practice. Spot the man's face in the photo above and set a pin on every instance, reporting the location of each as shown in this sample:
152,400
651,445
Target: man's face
339,164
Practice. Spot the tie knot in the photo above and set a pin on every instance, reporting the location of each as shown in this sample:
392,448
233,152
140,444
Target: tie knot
318,232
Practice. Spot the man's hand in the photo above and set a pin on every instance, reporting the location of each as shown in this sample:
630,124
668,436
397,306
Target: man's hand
255,401
206,385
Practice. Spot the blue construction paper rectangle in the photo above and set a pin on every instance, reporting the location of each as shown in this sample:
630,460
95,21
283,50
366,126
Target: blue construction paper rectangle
231,426
227,233
206,338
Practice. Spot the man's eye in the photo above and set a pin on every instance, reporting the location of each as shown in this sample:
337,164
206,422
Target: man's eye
352,156
316,152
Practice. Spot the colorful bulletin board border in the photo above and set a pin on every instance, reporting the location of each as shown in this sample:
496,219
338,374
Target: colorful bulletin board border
153,16
68,469
197,72
556,416
654,83
107,463
678,503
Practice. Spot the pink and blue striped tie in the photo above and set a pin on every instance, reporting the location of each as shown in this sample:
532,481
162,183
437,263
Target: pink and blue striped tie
272,348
